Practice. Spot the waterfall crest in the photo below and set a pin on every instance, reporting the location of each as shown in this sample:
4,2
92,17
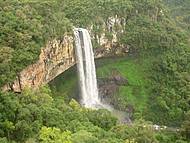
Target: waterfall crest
86,68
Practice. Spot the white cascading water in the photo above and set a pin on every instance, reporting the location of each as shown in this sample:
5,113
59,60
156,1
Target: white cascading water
86,68
87,74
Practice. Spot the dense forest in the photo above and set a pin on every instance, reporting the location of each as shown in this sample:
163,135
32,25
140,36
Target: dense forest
157,68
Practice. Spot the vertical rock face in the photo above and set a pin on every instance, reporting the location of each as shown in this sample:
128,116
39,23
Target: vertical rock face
56,57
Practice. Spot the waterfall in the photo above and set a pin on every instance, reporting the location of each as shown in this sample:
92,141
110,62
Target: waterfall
86,68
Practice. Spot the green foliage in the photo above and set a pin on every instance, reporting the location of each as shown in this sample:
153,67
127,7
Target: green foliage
139,132
21,115
185,130
180,12
33,121
83,137
142,33
170,84
158,85
40,96
25,28
102,118
32,117
54,135
3,140
5,65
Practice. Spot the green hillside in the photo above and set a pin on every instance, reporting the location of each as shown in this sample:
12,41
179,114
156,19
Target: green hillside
157,69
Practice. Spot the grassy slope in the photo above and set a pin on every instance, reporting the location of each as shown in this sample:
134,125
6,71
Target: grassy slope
135,71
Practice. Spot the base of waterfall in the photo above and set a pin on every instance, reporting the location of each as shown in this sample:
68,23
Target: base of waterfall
96,105
122,116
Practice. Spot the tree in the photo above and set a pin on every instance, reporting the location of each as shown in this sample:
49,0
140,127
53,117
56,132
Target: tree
102,118
54,135
186,126
83,137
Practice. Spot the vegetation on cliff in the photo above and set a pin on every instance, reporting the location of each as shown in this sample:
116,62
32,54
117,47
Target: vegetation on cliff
25,27
158,74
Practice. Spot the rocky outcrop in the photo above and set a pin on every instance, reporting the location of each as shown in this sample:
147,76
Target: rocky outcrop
117,80
109,88
109,85
113,50
55,58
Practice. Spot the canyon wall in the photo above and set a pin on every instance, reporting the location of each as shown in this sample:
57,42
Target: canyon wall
55,58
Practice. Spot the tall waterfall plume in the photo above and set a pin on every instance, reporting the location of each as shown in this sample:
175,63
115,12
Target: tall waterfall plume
86,68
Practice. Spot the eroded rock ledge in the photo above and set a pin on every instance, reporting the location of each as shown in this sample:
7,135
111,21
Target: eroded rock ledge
56,57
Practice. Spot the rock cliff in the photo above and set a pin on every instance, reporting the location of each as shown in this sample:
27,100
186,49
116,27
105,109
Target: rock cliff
55,58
